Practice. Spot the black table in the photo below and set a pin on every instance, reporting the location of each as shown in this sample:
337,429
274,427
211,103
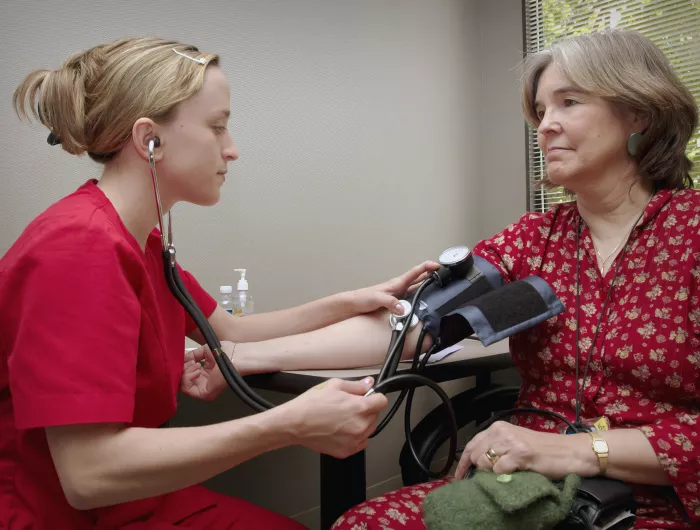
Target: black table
343,483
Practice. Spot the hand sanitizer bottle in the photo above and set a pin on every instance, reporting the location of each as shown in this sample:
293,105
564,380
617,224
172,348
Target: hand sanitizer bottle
226,298
243,303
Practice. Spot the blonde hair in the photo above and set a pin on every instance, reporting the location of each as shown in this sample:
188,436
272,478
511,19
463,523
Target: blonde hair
628,70
90,104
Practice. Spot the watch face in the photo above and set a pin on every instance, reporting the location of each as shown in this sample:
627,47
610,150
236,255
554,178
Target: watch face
454,255
599,446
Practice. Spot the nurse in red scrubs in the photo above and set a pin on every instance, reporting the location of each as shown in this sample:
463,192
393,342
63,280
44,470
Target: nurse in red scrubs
91,348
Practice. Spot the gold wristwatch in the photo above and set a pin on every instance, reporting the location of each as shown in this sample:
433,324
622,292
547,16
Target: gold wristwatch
600,448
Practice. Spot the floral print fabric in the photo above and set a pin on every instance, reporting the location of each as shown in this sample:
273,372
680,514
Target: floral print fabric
646,361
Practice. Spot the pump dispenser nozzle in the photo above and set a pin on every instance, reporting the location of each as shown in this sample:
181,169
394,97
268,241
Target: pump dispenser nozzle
242,283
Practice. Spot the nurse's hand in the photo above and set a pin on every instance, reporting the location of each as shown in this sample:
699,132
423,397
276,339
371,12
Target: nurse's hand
387,294
202,378
335,418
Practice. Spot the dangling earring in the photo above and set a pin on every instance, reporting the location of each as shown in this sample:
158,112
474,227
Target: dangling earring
633,143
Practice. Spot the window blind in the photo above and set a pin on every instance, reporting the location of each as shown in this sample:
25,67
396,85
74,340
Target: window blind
673,25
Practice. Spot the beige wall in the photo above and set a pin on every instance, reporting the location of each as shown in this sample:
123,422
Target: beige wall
373,134
502,152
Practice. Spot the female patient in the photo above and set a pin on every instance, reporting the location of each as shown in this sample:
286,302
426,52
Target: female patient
613,121
91,350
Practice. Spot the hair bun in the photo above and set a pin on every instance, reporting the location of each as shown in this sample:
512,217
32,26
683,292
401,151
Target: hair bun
89,66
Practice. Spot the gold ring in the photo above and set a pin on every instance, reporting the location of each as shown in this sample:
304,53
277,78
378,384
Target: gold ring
492,456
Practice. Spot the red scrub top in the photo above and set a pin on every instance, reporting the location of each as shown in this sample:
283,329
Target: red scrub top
90,333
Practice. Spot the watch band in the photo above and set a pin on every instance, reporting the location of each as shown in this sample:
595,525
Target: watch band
600,448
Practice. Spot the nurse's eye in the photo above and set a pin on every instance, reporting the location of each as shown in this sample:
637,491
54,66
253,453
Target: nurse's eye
220,130
568,102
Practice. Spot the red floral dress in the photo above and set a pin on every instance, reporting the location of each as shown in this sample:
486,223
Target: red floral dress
646,362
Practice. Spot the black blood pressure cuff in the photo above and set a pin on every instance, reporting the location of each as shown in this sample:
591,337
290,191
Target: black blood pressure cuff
493,314
436,302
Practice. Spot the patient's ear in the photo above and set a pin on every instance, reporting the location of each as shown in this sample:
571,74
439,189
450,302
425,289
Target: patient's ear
639,122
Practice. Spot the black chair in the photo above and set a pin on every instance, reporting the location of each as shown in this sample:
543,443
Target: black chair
473,405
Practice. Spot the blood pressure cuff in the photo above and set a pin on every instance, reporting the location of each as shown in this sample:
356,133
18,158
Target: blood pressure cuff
493,314
437,302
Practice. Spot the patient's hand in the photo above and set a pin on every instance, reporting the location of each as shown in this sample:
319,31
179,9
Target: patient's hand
518,448
387,294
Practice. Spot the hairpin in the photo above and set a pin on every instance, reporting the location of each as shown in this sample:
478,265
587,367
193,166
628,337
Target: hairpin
200,61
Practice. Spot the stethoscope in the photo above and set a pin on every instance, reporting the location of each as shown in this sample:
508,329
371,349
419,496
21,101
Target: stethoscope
172,276
455,263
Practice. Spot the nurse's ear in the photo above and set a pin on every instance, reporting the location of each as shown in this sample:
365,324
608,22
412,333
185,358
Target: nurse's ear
142,133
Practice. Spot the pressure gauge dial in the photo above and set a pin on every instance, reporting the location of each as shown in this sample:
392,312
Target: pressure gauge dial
454,256
456,263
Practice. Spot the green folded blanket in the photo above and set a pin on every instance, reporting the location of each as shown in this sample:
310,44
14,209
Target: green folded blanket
521,500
